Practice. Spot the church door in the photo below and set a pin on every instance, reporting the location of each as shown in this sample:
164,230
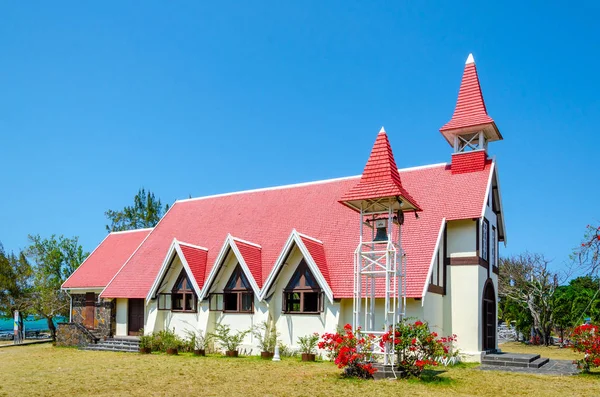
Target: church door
489,317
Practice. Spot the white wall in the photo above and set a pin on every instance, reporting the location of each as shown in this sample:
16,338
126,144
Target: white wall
121,316
414,309
461,238
462,311
237,321
465,306
433,313
158,320
180,322
292,326
492,219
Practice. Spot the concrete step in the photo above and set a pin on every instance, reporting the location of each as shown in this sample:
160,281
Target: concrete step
511,357
111,348
129,340
119,342
514,360
539,362
116,346
109,344
384,371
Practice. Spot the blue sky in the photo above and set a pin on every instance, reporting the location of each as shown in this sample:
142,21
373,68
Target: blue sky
196,98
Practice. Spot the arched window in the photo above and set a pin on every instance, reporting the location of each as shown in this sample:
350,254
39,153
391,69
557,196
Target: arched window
183,297
237,294
302,295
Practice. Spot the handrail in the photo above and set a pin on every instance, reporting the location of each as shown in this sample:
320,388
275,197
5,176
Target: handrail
86,331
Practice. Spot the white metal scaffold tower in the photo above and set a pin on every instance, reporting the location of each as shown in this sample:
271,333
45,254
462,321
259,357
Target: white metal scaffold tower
380,270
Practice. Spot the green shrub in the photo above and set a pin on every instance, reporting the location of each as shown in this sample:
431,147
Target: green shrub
308,343
145,341
166,339
286,351
228,340
266,335
198,340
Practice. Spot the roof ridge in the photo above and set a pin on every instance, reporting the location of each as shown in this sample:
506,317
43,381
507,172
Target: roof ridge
302,184
131,231
192,245
316,240
245,242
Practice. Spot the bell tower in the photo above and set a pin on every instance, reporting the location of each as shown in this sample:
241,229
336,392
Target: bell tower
471,128
379,260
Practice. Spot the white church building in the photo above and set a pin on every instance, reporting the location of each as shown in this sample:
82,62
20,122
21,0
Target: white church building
288,254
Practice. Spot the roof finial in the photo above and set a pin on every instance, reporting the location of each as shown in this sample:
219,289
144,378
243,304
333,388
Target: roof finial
382,130
470,59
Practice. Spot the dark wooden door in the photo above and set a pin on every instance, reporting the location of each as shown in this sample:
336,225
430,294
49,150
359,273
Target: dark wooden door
489,317
135,316
90,309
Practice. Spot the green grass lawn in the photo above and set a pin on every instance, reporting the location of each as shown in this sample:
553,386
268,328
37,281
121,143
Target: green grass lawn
45,370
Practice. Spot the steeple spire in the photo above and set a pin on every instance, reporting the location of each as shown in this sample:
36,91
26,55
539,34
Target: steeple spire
380,179
470,127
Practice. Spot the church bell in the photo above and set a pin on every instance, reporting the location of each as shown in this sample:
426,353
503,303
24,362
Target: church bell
381,226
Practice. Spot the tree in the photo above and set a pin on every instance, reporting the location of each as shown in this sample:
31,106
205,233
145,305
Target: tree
587,256
510,311
577,300
526,280
54,259
145,212
15,283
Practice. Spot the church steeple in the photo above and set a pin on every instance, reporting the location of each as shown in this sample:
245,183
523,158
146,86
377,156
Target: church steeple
470,128
380,179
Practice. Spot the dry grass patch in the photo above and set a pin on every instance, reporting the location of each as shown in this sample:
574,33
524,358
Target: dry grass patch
552,352
45,370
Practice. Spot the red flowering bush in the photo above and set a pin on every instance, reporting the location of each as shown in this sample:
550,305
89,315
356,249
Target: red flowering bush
349,351
417,347
586,339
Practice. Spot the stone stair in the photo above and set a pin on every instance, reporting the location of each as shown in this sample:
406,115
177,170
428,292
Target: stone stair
514,360
95,334
128,345
384,371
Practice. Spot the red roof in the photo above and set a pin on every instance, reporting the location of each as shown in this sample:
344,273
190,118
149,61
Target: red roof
253,258
106,260
470,108
196,258
317,251
268,216
380,177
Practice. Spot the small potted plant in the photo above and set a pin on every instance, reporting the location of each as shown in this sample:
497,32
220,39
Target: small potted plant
308,346
145,343
266,335
199,341
229,341
171,342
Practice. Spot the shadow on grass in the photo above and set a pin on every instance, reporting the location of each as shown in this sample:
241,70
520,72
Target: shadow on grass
593,374
432,376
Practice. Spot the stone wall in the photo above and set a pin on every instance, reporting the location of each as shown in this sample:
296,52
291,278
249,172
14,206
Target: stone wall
103,314
71,334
